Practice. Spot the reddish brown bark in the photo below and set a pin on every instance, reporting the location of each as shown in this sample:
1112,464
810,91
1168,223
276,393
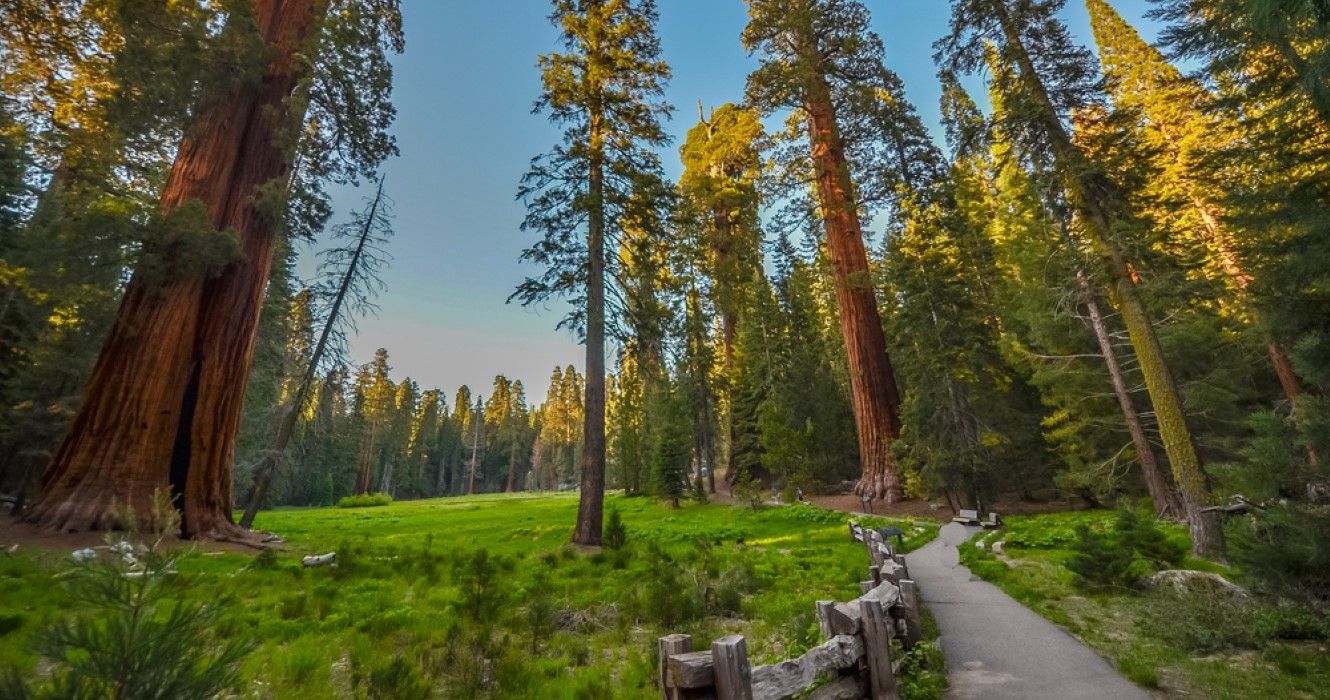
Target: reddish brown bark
873,390
163,405
729,316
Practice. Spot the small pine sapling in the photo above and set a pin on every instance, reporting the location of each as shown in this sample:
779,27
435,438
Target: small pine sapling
138,641
616,534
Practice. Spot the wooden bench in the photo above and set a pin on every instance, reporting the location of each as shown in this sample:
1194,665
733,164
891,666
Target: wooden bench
967,517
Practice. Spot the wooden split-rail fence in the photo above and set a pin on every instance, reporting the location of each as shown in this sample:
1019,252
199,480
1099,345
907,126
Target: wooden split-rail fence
855,662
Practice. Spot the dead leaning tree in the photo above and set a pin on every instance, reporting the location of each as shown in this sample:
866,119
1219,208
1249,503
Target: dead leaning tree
356,285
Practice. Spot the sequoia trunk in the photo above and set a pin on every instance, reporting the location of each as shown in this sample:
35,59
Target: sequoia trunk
876,399
163,405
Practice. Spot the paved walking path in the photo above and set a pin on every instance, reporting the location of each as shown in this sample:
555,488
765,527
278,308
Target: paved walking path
996,648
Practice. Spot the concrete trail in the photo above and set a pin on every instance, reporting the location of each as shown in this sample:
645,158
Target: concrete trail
996,648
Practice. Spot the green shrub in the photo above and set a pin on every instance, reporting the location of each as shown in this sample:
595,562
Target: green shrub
1148,541
266,560
1288,619
138,640
1100,561
482,590
1202,620
365,500
398,680
301,663
10,623
1134,549
923,673
666,598
615,535
748,490
1286,550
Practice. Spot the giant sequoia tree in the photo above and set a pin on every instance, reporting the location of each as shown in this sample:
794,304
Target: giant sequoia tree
1051,79
164,402
819,58
722,168
605,90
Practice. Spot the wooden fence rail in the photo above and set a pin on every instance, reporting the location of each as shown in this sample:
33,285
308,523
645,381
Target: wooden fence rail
855,661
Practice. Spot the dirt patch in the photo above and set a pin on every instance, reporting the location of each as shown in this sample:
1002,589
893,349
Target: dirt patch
850,503
914,508
937,510
29,537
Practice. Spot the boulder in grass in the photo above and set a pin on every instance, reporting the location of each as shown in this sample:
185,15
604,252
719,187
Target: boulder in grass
1187,581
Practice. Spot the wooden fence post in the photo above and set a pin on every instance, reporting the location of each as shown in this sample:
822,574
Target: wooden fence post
734,677
910,601
877,630
824,608
669,645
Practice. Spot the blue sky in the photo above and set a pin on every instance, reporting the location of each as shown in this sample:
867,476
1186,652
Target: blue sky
464,91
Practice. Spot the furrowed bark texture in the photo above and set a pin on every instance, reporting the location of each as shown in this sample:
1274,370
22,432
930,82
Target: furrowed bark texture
876,399
1092,196
163,405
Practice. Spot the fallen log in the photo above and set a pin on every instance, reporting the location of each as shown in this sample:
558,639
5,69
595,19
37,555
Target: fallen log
319,560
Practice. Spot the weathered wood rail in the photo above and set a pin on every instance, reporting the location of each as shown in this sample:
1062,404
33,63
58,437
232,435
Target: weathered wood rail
854,663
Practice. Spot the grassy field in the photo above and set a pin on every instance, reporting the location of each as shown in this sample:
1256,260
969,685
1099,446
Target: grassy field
1179,646
476,597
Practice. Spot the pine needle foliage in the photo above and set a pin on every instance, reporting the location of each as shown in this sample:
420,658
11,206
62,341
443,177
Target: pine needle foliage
140,642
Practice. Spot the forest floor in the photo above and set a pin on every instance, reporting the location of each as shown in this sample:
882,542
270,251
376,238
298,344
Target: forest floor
28,536
482,597
935,510
1188,644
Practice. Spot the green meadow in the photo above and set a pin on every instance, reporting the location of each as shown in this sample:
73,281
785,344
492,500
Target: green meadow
483,597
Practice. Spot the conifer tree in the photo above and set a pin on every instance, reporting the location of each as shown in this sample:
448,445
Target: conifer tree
696,381
1178,122
722,167
462,425
167,392
754,376
671,448
423,448
629,440
375,403
720,199
605,88
818,57
1034,274
1280,46
1052,79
